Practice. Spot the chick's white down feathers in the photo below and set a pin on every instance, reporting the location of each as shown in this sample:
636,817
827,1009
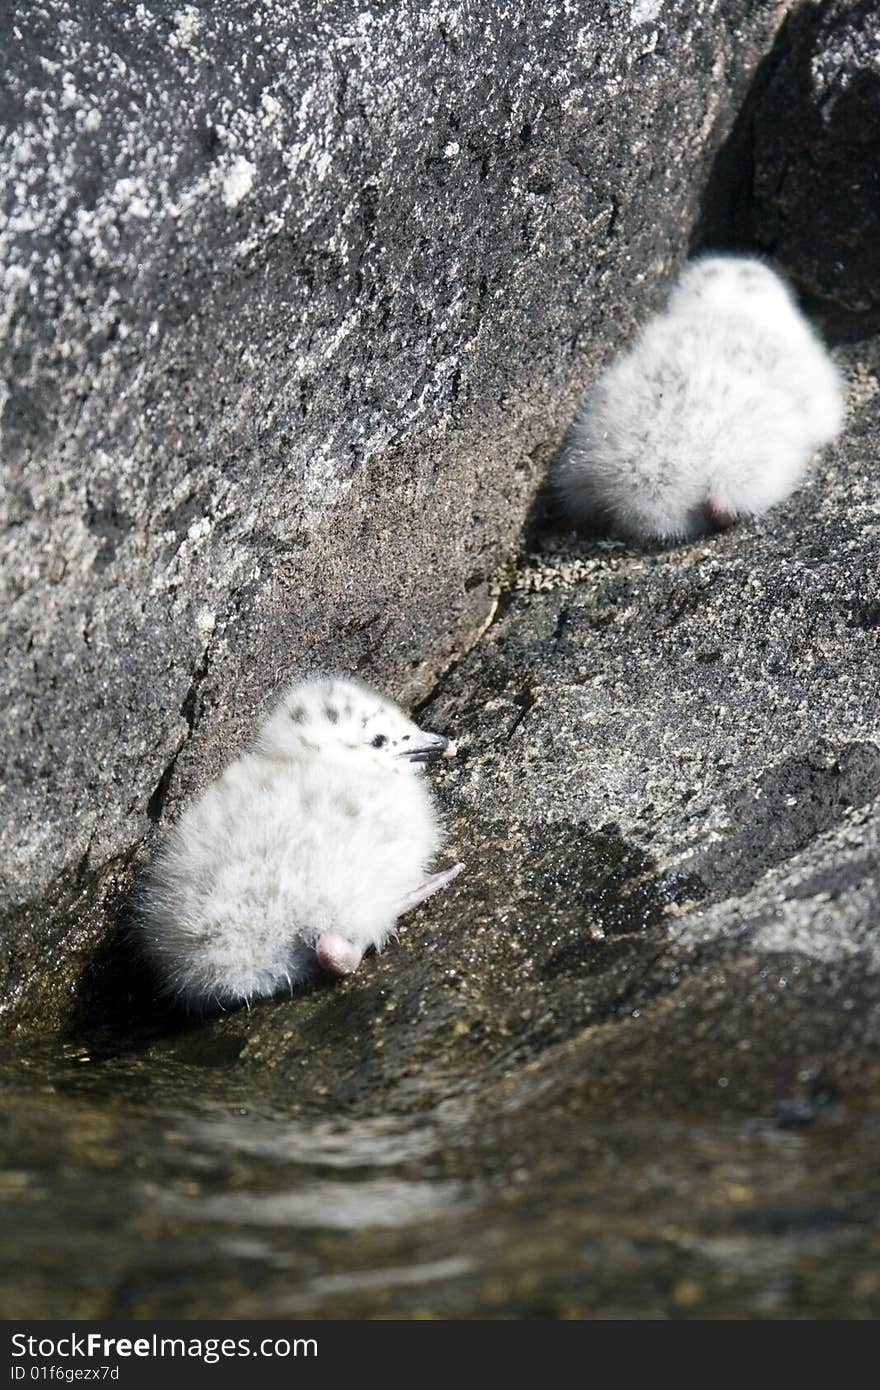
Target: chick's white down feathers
301,855
712,415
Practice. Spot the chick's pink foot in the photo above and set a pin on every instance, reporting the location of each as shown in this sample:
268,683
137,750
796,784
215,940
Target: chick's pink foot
718,516
336,955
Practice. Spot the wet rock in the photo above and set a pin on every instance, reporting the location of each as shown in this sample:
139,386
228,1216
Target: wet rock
628,1064
666,797
294,308
633,1051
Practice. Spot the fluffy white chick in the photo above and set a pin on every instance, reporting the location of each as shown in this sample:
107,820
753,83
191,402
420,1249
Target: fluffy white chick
712,415
302,855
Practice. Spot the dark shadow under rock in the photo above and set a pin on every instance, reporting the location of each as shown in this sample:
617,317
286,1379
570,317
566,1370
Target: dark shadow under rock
798,178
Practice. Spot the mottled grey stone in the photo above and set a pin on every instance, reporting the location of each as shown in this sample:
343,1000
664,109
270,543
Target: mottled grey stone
295,305
715,704
626,1066
803,182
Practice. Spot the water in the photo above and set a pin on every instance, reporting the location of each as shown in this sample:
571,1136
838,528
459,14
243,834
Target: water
525,1110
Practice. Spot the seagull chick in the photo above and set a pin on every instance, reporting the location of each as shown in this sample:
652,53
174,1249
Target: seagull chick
302,855
712,415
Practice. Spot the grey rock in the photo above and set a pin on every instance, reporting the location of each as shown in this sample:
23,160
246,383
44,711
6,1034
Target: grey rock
295,305
716,705
626,1066
806,159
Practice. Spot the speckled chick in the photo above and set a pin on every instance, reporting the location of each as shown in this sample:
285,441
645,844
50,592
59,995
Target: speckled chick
302,855
713,415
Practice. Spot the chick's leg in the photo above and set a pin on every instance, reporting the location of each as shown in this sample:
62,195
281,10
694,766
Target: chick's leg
337,955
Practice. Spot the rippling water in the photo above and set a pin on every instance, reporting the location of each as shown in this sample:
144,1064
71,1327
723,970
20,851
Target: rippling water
545,1100
140,1184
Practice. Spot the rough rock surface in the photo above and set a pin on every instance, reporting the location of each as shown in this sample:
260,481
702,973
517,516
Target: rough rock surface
295,302
803,180
627,1066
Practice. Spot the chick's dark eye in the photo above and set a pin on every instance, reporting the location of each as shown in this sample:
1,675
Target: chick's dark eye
379,741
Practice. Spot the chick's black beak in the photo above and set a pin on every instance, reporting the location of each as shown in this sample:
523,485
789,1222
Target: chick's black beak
430,749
